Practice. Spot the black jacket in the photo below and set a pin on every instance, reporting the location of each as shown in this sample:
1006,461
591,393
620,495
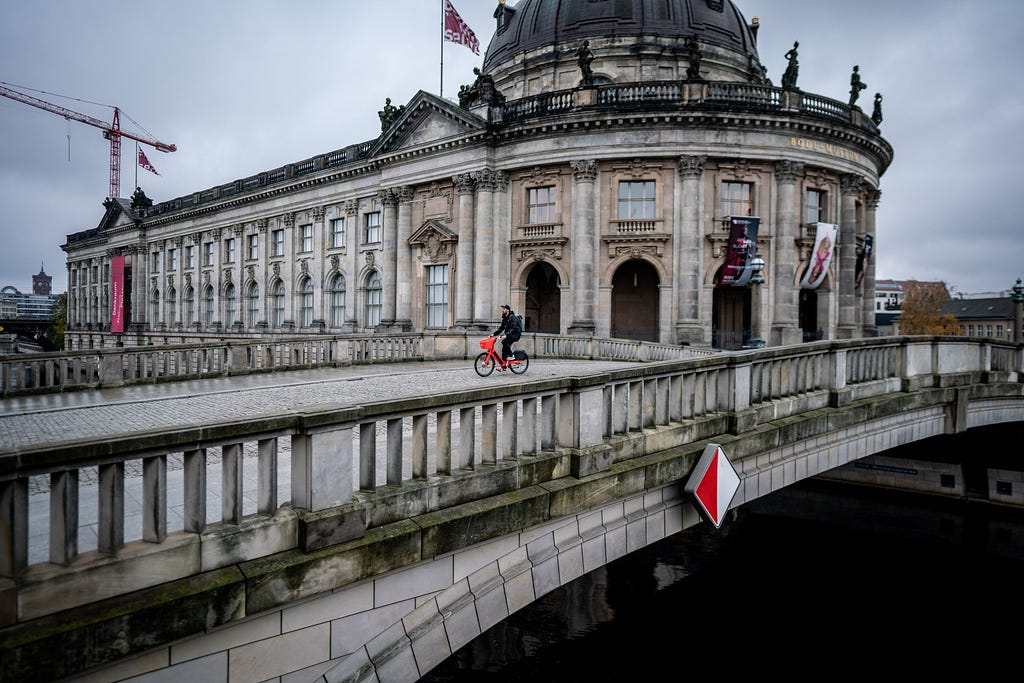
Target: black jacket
510,326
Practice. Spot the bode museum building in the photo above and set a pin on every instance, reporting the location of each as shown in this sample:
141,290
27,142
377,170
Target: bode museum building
616,168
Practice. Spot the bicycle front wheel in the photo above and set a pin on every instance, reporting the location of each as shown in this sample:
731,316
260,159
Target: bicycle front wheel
484,364
519,366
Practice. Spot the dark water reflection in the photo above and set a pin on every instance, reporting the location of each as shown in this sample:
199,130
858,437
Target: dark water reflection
812,583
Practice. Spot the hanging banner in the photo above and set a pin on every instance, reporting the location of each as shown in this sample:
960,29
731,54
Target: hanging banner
821,256
742,241
117,294
864,258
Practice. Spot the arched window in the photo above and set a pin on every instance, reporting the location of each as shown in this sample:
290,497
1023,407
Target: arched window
338,301
190,306
230,305
277,304
208,306
306,303
254,304
172,306
373,299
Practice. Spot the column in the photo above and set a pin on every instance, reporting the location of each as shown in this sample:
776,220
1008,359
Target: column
502,251
315,266
867,292
287,273
403,260
849,187
214,237
686,236
140,276
464,252
785,327
351,264
389,257
483,259
584,248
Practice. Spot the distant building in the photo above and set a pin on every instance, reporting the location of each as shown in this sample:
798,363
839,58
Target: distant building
990,315
36,306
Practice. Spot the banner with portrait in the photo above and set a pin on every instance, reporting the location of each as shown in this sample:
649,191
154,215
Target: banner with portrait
821,256
737,270
864,258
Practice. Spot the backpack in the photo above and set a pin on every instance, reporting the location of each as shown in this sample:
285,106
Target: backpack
522,326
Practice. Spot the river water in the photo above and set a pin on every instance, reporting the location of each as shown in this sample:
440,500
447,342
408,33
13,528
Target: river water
815,582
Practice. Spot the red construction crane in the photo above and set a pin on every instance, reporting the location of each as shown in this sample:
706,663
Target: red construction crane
111,131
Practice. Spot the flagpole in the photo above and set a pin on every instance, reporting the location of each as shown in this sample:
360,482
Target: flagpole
441,88
136,163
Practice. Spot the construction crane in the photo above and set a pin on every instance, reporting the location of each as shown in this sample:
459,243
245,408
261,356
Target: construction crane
111,131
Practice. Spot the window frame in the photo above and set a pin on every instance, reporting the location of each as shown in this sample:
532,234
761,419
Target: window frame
639,194
436,282
728,201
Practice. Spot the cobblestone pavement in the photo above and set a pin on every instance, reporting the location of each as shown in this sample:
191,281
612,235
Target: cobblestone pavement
58,418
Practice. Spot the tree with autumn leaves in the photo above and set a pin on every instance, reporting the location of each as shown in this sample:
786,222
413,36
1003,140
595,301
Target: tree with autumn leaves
921,310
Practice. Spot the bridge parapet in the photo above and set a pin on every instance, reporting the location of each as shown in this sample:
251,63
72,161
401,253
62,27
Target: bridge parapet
380,486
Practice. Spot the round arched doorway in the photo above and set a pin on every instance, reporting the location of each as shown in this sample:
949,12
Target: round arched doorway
543,300
635,301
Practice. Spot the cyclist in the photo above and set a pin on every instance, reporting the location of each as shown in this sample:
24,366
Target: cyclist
512,330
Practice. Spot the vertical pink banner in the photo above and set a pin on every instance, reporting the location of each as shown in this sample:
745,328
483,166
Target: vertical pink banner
117,294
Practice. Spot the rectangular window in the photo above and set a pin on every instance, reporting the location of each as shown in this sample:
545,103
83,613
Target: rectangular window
229,250
437,296
190,256
373,229
540,204
254,246
737,199
999,331
988,330
208,254
307,237
172,259
970,330
636,199
155,262
814,207
277,243
337,233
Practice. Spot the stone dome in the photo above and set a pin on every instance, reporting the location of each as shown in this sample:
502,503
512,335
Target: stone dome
656,29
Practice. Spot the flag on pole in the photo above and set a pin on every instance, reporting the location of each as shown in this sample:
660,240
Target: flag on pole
144,163
457,31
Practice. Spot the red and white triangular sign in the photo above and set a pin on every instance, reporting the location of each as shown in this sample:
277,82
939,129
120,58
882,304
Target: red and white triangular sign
713,484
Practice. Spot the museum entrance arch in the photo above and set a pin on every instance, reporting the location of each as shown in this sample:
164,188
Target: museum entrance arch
543,300
808,315
635,301
731,313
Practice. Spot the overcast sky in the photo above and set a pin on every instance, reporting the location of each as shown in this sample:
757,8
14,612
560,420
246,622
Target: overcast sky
244,87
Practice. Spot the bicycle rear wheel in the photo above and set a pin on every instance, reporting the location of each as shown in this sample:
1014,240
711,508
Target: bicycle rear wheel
484,364
519,366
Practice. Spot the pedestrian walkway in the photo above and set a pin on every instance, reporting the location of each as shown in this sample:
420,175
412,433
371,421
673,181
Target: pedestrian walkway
30,422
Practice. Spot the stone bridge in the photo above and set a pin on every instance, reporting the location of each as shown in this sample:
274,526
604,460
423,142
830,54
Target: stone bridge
415,519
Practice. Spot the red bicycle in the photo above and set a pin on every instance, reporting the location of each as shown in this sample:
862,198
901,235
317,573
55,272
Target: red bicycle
490,359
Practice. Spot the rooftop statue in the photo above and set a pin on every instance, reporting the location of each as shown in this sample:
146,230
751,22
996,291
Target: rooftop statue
876,115
856,85
789,77
584,57
694,54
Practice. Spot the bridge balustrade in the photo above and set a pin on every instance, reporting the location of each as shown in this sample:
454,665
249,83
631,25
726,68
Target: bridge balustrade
335,459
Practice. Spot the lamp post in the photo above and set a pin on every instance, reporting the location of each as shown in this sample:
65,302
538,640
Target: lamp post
1018,310
756,280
